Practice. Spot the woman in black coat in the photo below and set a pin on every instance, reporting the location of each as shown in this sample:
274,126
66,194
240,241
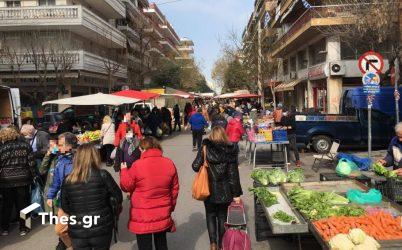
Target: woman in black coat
224,181
92,197
17,171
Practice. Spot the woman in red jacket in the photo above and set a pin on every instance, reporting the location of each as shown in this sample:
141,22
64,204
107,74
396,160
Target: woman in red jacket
234,129
121,131
153,185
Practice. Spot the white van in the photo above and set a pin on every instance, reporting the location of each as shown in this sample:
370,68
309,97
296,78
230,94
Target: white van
10,106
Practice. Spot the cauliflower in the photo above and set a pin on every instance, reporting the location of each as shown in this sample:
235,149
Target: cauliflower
372,241
357,236
341,242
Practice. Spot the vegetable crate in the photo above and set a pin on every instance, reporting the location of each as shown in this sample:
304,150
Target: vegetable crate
392,188
335,177
262,230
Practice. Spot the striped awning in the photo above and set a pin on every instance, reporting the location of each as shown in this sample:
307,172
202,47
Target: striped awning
289,86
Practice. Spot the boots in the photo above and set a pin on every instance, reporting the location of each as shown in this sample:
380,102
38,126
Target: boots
214,246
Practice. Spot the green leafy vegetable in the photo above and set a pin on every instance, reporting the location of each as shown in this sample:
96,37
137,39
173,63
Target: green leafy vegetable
319,205
276,176
296,176
260,176
379,169
265,196
284,217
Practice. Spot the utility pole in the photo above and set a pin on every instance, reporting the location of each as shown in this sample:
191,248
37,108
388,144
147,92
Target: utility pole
396,69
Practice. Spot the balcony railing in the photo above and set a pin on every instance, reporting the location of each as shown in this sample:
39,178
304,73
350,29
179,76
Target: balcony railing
39,13
61,16
308,15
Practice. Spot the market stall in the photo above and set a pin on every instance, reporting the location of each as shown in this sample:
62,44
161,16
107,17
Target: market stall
344,214
263,132
141,95
94,99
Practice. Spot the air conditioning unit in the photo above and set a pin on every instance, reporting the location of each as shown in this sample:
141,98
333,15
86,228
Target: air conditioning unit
293,75
337,68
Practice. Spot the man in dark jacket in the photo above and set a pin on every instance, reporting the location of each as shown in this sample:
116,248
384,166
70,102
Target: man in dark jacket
198,123
288,120
177,119
394,152
17,171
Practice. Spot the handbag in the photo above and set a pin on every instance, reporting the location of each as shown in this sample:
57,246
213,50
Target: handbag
200,188
113,154
37,195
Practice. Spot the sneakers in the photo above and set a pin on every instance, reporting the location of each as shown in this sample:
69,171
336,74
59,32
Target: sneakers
24,232
194,148
4,233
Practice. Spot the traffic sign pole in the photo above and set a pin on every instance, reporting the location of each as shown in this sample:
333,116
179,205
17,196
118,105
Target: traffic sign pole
396,65
369,137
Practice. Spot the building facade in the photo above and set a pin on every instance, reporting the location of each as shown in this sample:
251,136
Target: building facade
63,48
314,66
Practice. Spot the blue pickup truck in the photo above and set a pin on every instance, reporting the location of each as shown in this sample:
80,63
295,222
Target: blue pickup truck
351,130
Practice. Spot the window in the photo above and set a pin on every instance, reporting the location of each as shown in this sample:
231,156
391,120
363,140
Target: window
13,3
302,59
293,64
47,2
285,67
318,52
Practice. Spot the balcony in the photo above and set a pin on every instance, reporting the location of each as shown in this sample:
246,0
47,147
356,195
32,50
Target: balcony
155,13
157,51
155,32
167,45
113,9
134,12
126,29
306,27
81,60
77,19
169,32
188,49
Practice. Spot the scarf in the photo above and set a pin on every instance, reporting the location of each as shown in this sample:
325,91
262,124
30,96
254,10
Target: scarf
133,143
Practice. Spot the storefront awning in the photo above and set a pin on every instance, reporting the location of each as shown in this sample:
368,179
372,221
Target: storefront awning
289,86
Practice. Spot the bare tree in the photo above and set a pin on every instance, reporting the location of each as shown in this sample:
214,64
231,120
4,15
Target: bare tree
62,56
12,57
112,58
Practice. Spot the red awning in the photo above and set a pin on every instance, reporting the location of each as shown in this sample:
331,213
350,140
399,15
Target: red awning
143,96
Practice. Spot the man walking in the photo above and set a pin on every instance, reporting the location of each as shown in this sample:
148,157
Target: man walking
288,120
177,118
198,123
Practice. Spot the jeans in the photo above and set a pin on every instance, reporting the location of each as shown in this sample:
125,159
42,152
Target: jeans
197,138
292,146
95,243
18,196
216,218
144,241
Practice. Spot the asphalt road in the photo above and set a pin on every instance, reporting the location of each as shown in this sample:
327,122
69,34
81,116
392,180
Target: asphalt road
189,215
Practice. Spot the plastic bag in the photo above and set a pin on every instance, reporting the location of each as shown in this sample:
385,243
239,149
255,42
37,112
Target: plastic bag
346,167
37,196
113,154
373,196
362,163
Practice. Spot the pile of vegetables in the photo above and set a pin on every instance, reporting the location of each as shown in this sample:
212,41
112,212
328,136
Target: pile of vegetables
277,176
355,240
296,175
284,217
317,205
265,196
380,226
379,169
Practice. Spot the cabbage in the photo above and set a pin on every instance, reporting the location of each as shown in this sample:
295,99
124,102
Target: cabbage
276,176
372,241
341,242
357,236
296,176
260,176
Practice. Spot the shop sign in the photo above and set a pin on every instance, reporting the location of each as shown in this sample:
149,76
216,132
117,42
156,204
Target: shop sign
317,72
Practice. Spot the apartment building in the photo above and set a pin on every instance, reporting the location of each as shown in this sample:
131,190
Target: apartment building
37,35
94,45
315,67
186,49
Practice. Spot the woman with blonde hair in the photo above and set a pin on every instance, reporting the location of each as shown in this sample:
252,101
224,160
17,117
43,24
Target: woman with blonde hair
224,181
90,191
17,171
108,137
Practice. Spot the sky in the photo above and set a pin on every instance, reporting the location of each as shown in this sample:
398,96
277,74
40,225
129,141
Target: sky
207,23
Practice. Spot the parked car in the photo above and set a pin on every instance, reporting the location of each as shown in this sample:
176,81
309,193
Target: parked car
320,130
144,105
10,112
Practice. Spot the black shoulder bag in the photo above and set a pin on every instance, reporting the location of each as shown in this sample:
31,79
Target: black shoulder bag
114,206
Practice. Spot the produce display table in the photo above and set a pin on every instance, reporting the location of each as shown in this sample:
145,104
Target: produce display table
341,187
253,152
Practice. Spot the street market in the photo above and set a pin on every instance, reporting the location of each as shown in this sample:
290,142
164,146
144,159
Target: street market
200,125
